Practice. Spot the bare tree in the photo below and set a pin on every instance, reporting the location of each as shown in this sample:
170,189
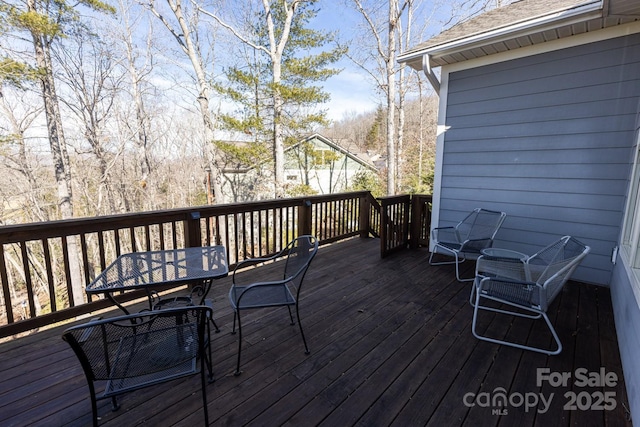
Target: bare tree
45,22
138,74
17,156
184,30
386,45
89,72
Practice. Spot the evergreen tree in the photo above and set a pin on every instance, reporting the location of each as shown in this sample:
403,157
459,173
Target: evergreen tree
277,89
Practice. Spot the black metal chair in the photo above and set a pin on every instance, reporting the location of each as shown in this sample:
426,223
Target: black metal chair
474,233
280,292
127,353
196,294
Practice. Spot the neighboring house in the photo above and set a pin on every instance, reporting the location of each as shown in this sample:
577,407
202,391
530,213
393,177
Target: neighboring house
316,162
540,117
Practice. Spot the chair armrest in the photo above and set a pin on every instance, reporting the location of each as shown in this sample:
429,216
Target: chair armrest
251,261
445,231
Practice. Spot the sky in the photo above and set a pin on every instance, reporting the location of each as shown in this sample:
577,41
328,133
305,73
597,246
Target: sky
353,90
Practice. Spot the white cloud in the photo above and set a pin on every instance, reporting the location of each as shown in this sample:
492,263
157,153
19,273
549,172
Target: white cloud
350,92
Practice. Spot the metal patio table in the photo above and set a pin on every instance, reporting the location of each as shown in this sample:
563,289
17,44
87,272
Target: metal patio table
198,266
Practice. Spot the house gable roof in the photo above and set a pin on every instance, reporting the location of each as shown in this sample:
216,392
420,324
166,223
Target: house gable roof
522,23
353,156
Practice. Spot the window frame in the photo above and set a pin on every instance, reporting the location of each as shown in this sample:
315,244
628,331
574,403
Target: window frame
630,236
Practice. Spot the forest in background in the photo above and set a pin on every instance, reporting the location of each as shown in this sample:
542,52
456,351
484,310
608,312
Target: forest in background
120,107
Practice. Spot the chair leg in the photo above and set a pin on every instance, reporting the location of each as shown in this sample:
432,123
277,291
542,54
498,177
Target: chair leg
435,251
215,325
94,404
457,261
304,341
238,372
209,303
478,307
474,288
203,384
207,353
291,315
235,314
114,404
205,359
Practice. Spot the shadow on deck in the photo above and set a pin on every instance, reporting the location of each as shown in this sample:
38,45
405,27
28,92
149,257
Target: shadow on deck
390,343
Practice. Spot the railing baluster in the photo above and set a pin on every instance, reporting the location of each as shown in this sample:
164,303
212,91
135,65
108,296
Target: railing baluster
103,261
50,281
27,278
6,291
85,260
67,270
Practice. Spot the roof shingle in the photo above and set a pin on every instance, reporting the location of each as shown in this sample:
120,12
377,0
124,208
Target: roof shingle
514,13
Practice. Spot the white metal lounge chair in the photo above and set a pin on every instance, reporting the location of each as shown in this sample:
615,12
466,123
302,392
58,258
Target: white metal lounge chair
526,287
468,237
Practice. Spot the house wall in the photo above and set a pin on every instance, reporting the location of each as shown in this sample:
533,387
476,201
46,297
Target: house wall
627,318
333,174
546,138
335,179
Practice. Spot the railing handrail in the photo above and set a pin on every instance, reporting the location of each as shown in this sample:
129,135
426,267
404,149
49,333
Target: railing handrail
245,229
14,233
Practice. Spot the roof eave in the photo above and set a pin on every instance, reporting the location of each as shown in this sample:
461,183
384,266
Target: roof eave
540,24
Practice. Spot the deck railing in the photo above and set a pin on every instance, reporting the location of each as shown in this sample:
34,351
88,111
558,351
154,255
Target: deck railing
405,222
45,266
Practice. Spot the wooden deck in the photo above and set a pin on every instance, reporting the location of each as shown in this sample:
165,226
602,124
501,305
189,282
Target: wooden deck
390,343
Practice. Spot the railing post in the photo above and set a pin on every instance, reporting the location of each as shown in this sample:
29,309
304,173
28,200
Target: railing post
192,231
304,218
365,215
384,228
416,223
422,220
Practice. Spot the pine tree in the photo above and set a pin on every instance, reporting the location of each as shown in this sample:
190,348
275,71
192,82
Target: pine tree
277,89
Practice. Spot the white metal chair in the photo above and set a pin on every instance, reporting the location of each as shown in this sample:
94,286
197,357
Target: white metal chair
474,233
526,287
284,291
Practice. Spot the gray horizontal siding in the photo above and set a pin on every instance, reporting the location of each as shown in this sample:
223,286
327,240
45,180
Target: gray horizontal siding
570,96
547,139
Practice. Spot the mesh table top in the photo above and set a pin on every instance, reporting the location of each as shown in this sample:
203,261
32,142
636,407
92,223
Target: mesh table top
139,270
